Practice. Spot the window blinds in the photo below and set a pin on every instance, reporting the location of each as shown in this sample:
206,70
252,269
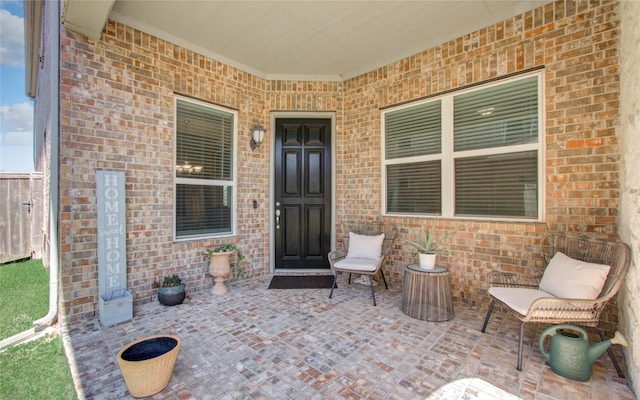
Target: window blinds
492,163
414,188
497,185
202,210
204,142
413,131
502,115
204,170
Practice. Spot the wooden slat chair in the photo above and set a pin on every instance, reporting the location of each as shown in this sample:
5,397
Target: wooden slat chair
529,299
366,247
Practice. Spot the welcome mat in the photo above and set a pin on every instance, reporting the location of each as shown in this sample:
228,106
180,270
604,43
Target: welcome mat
301,282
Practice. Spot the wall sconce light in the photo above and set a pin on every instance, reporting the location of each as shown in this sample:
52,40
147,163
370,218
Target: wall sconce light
257,136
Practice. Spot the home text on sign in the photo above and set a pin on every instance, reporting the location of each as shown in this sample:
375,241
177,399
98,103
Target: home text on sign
111,233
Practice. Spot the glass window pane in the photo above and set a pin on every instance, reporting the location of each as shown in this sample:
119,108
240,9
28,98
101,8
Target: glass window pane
204,151
414,188
502,115
497,185
487,119
202,210
413,131
204,142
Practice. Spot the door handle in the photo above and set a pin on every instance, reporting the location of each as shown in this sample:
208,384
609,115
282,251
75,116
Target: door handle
277,219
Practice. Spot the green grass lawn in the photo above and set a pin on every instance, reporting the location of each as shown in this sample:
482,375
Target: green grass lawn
24,296
38,369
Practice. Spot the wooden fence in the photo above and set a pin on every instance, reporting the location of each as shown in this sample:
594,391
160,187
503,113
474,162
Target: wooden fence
20,216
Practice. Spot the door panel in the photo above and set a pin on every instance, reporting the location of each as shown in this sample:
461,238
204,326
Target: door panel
315,238
314,174
302,193
291,226
292,178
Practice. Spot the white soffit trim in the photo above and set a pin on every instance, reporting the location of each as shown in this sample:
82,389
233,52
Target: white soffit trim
32,37
87,17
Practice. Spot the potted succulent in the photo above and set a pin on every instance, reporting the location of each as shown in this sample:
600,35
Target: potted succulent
427,247
220,265
171,291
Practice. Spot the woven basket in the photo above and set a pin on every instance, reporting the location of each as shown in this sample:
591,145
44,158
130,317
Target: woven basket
147,363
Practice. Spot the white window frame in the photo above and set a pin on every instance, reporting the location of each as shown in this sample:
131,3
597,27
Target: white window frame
448,156
206,182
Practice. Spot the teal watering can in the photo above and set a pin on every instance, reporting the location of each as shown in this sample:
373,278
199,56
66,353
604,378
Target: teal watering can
570,354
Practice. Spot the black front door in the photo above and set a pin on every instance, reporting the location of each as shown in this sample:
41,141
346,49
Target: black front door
302,195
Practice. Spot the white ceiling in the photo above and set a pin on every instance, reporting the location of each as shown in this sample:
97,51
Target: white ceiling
312,40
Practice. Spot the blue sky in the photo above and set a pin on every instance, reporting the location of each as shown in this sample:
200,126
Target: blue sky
16,109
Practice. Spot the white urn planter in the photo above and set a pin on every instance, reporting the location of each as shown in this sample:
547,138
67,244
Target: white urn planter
427,261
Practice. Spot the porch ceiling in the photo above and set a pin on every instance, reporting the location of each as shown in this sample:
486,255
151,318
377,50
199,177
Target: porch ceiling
310,40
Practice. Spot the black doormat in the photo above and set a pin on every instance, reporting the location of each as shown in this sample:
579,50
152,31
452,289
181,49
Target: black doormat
301,282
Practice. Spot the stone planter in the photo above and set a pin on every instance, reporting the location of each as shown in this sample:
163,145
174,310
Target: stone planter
219,268
171,295
147,364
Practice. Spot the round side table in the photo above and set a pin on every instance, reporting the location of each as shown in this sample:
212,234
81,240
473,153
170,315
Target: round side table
427,293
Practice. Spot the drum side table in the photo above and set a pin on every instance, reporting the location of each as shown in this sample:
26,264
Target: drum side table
427,293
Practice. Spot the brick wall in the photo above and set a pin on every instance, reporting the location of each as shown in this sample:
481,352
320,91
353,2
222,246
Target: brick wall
117,110
117,113
576,45
117,99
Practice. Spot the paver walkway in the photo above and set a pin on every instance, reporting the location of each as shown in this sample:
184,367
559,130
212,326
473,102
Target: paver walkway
255,343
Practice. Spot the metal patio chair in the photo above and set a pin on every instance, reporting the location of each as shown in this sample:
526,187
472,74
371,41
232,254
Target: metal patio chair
528,297
366,246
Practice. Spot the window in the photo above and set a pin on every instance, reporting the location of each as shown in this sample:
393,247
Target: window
204,171
473,153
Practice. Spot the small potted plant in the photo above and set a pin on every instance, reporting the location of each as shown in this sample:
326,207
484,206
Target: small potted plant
220,265
171,291
427,247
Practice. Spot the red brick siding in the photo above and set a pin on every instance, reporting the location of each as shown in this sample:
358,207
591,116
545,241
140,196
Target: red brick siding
576,45
117,110
117,99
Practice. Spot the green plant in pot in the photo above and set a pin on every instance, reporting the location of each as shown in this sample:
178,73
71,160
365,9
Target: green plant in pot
220,265
171,291
428,247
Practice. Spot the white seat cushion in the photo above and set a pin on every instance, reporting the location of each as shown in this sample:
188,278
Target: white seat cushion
365,246
573,279
520,299
357,264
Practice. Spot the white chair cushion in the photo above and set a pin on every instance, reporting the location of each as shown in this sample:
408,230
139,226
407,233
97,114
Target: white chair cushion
357,264
573,279
520,299
365,246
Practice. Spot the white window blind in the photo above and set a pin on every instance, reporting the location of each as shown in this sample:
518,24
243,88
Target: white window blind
497,185
204,170
204,142
502,115
414,188
414,131
472,153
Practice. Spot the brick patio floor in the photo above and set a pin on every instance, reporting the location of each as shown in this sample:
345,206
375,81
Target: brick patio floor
255,343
